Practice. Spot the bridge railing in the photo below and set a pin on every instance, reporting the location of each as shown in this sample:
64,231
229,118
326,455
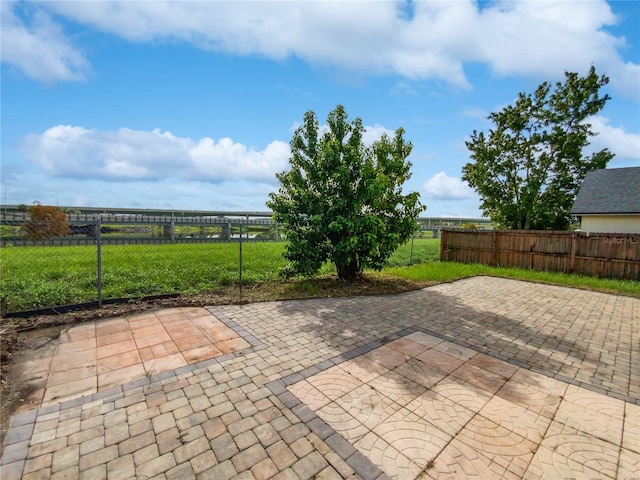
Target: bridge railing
17,230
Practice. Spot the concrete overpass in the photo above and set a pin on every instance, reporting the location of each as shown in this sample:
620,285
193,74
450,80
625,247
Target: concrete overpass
8,212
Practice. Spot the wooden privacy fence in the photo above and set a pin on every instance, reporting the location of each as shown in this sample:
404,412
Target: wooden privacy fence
609,255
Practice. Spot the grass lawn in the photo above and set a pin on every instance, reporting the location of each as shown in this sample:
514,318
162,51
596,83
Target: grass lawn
40,277
450,271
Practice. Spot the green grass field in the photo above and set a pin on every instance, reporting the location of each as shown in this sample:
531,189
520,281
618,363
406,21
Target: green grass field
450,271
40,277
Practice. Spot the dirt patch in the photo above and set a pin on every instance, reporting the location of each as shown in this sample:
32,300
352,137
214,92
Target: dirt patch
27,346
23,339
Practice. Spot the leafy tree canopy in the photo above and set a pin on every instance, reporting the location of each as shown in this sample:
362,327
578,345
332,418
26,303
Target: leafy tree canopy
528,168
342,201
45,222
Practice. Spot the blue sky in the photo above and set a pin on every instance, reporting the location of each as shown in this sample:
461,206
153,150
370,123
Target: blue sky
191,105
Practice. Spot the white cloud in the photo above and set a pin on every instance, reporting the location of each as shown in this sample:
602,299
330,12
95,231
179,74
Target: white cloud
435,42
375,132
403,88
135,155
625,77
127,155
443,187
625,145
475,113
40,49
524,37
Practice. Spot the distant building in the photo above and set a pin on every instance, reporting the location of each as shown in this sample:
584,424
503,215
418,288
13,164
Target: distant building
609,201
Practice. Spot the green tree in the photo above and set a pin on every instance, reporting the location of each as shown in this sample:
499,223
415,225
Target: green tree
527,170
45,222
342,201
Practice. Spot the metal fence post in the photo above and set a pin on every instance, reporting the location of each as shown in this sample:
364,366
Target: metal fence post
98,235
240,262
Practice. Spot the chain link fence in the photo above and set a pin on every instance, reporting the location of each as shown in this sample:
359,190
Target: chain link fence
76,259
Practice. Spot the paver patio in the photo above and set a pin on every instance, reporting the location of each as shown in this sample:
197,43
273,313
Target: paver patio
481,378
95,356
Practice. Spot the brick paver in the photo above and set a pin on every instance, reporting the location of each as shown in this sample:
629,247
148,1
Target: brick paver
493,377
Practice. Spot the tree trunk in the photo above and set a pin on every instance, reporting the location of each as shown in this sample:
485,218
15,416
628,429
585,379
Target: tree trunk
349,271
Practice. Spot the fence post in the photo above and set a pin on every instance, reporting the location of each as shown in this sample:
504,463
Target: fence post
240,262
495,249
98,235
572,260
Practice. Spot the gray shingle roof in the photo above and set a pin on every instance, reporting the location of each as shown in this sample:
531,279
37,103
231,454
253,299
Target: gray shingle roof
613,190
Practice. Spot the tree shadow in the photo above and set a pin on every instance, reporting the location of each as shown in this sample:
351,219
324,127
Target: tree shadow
348,323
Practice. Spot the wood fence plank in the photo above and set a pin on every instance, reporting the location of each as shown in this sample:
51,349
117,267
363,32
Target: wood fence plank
603,254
